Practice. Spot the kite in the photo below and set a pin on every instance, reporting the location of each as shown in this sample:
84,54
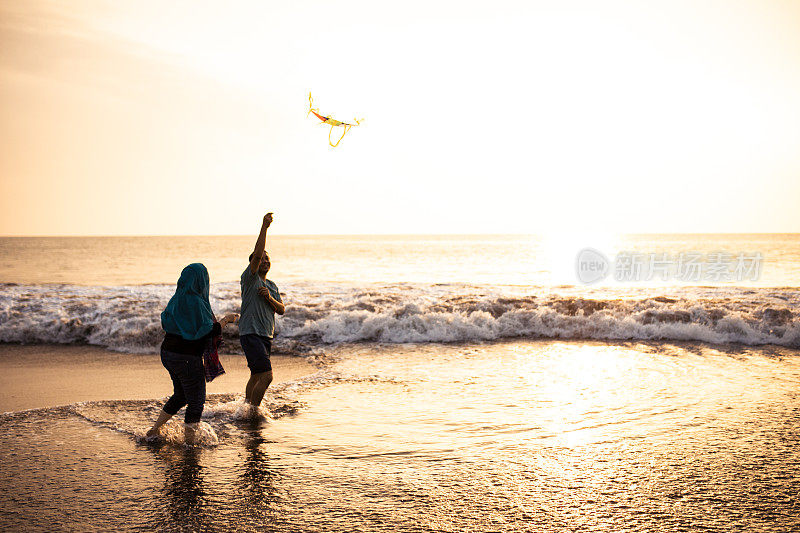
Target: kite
332,122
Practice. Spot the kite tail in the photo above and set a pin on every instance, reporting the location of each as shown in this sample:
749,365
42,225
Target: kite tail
346,128
310,104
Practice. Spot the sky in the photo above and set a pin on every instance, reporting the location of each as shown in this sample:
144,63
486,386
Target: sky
188,117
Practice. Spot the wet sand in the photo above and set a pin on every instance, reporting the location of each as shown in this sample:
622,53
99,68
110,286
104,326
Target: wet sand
37,376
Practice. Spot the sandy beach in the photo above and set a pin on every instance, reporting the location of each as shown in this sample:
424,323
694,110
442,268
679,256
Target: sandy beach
38,376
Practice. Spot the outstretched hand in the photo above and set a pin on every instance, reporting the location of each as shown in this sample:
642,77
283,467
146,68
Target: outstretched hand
231,318
268,219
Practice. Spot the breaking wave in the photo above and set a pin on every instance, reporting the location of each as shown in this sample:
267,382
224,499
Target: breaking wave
127,318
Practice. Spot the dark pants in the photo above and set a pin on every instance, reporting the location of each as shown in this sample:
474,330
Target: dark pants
189,382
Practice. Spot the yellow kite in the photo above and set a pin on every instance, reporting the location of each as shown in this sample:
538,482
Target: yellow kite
331,121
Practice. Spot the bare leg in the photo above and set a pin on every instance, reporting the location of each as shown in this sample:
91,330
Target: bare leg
260,387
248,390
162,419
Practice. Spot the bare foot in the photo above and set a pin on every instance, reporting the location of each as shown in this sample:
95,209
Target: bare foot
153,432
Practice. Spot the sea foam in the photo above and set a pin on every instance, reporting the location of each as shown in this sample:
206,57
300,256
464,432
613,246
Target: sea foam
128,318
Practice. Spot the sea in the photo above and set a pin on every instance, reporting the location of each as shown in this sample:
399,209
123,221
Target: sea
461,383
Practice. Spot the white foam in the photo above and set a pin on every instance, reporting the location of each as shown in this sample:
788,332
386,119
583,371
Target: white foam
128,318
236,410
174,433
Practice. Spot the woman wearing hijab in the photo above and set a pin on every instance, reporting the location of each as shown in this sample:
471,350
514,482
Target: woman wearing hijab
189,325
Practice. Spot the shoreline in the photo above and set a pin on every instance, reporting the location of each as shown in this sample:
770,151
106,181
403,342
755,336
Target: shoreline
38,376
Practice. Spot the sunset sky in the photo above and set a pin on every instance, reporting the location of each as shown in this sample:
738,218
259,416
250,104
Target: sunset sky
188,117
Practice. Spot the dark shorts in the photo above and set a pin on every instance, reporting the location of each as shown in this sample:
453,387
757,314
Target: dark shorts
257,349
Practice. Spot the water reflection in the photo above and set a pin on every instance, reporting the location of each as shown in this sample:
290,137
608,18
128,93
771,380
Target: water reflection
183,494
257,478
518,436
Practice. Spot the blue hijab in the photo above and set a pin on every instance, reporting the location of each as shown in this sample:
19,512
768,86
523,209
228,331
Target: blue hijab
188,312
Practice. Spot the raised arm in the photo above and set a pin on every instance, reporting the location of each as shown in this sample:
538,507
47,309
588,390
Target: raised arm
261,243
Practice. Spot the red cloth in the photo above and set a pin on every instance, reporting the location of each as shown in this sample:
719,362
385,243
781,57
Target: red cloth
211,362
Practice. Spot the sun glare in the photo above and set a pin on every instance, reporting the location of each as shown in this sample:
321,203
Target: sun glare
560,250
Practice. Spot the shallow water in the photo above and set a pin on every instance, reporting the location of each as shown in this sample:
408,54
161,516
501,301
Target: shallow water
510,436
